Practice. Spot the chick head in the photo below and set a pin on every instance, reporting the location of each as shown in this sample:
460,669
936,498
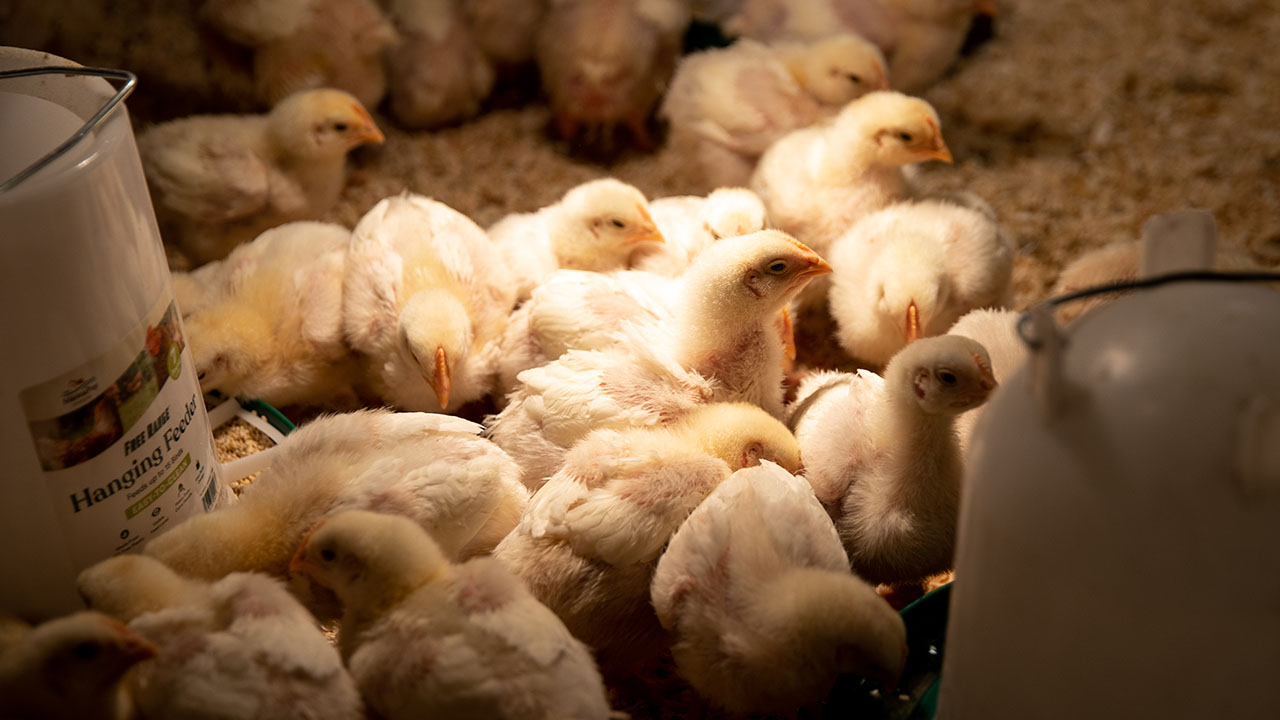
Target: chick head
910,278
436,333
890,129
229,343
321,124
841,68
742,435
752,276
601,223
945,375
127,586
730,212
369,560
86,652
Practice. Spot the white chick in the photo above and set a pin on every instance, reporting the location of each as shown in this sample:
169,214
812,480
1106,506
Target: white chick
577,310
596,226
306,44
220,180
764,613
910,271
438,74
424,638
430,468
237,649
607,62
690,223
505,30
425,300
817,181
70,667
835,69
589,539
997,331
274,331
722,344
881,454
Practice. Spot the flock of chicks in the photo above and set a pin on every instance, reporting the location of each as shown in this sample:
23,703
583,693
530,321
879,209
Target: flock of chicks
660,478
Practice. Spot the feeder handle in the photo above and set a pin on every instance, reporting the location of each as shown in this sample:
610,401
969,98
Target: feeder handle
129,80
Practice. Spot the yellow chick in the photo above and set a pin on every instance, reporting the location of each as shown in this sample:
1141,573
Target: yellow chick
219,180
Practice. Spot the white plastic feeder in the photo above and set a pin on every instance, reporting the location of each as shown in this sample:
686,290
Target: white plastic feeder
1119,539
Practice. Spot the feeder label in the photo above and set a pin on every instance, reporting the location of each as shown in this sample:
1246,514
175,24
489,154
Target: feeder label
123,441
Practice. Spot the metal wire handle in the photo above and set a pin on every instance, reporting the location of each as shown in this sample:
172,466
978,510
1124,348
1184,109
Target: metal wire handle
1024,322
129,80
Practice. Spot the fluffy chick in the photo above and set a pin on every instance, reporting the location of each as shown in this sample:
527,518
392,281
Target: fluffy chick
220,180
70,667
764,613
438,74
817,181
306,44
505,30
721,344
689,224
881,454
607,62
429,468
273,329
911,270
997,331
425,299
587,544
596,226
239,648
424,638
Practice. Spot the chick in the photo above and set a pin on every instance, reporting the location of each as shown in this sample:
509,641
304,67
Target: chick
928,37
721,344
424,638
771,20
274,331
911,270
70,667
607,62
438,74
429,468
756,591
302,45
425,300
997,331
597,226
689,224
587,543
881,454
505,30
220,180
239,648
835,69
817,181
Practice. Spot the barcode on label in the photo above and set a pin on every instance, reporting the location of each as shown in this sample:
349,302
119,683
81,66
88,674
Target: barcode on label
211,493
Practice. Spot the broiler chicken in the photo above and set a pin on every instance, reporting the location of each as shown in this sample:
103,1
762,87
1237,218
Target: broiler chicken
911,270
756,591
427,639
425,299
505,30
220,180
689,224
722,344
596,226
271,327
588,541
882,457
438,73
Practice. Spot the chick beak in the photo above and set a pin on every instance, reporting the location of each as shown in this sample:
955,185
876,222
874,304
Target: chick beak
986,7
882,79
788,333
299,562
817,266
133,647
988,380
939,151
368,132
913,322
647,232
441,381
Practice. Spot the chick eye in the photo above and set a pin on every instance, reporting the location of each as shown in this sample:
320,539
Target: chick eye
340,126
947,377
328,555
904,136
85,651
617,223
777,267
855,78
